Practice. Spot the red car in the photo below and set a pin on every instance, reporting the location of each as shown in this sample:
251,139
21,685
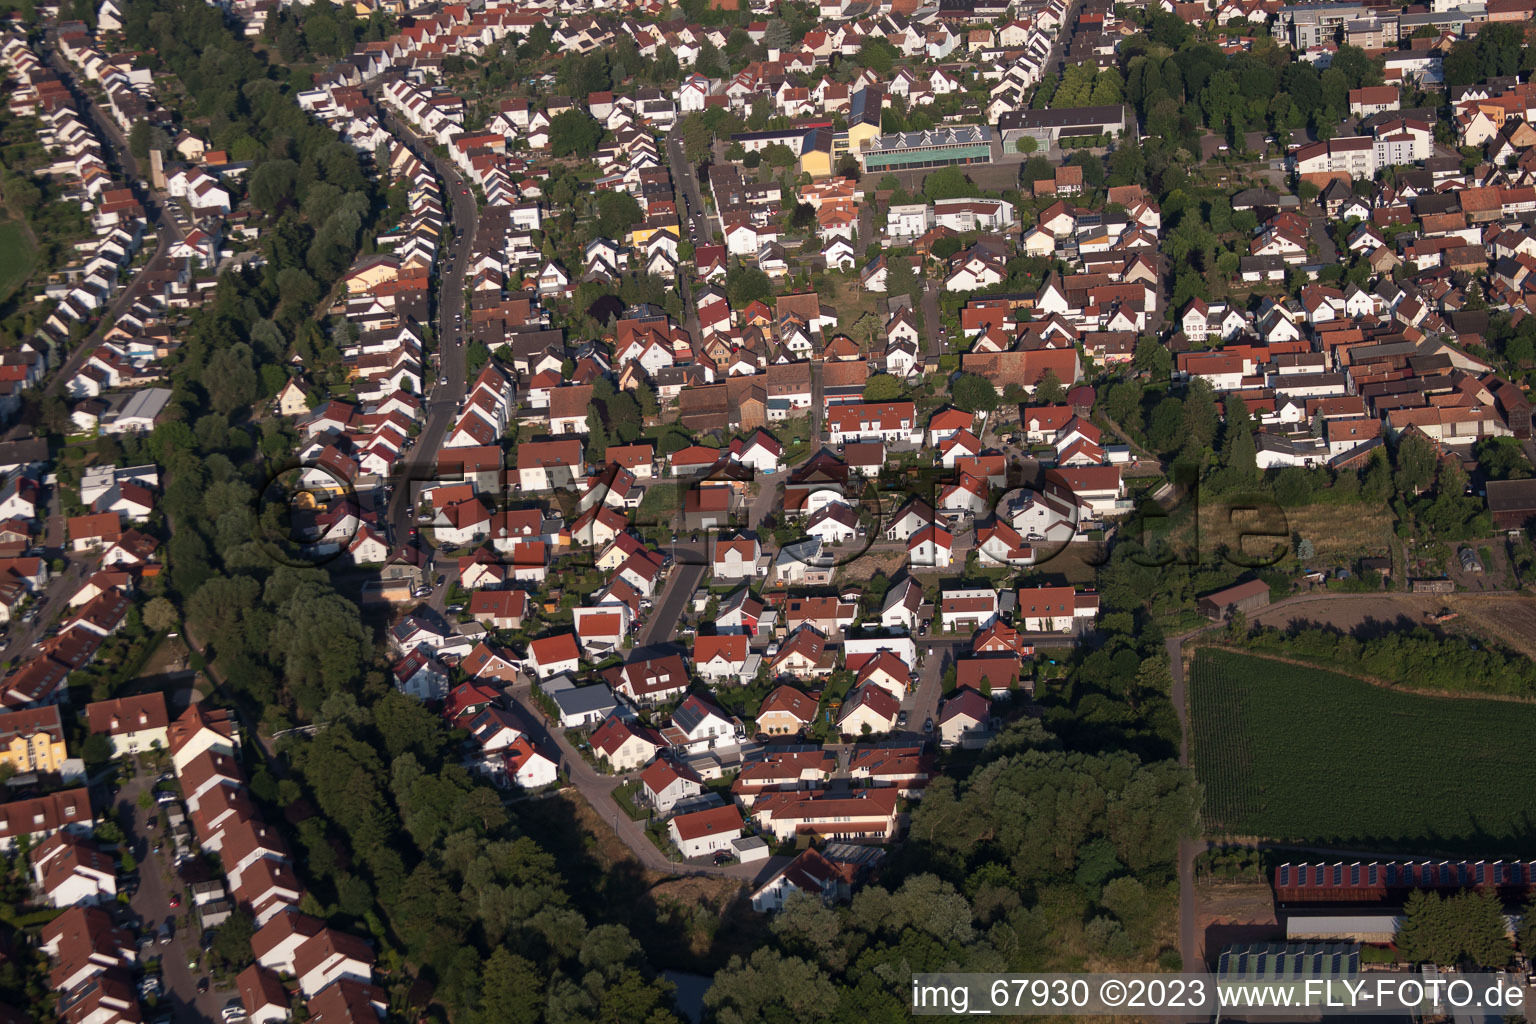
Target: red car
175,900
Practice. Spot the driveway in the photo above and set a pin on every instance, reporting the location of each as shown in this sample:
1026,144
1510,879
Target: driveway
1327,251
931,319
683,580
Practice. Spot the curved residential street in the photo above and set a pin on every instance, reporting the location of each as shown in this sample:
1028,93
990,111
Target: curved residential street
597,790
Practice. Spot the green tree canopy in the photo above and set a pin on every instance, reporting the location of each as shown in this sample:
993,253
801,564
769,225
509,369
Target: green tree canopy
974,393
573,133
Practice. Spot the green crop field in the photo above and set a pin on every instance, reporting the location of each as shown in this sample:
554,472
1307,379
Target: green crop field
16,255
1294,753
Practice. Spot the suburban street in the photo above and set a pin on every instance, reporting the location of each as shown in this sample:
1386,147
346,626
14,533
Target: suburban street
167,233
442,400
50,606
700,230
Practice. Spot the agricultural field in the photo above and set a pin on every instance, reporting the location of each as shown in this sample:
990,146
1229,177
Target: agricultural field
1295,753
16,257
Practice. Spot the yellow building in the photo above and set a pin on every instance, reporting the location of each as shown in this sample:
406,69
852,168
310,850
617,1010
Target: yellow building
864,119
641,234
373,272
816,153
33,740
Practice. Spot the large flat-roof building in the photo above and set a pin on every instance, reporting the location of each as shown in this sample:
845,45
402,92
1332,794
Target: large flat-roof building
941,147
1307,25
1048,127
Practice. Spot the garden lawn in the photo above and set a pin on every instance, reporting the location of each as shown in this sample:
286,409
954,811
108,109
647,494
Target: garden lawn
16,256
1288,752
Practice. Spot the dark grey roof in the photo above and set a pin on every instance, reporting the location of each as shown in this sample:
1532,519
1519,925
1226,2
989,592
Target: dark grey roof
584,700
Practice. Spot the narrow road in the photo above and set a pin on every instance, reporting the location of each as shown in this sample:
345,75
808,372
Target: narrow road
442,402
684,579
931,320
53,605
693,212
1327,250
167,233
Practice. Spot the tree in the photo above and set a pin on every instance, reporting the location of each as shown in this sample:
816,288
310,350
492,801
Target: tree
272,184
776,154
160,615
138,140
508,984
1124,405
744,284
1525,936
974,393
1200,416
1026,144
573,133
1466,928
877,55
1167,424
1093,168
1502,458
707,63
769,986
1242,457
884,387
947,183
617,212
97,749
1376,480
232,941
697,138
1049,390
1152,358
1415,464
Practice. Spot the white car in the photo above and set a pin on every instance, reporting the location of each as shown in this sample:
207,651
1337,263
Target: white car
233,1012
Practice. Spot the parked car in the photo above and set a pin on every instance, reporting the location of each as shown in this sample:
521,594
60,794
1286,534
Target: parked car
901,718
927,725
202,986
163,937
175,900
